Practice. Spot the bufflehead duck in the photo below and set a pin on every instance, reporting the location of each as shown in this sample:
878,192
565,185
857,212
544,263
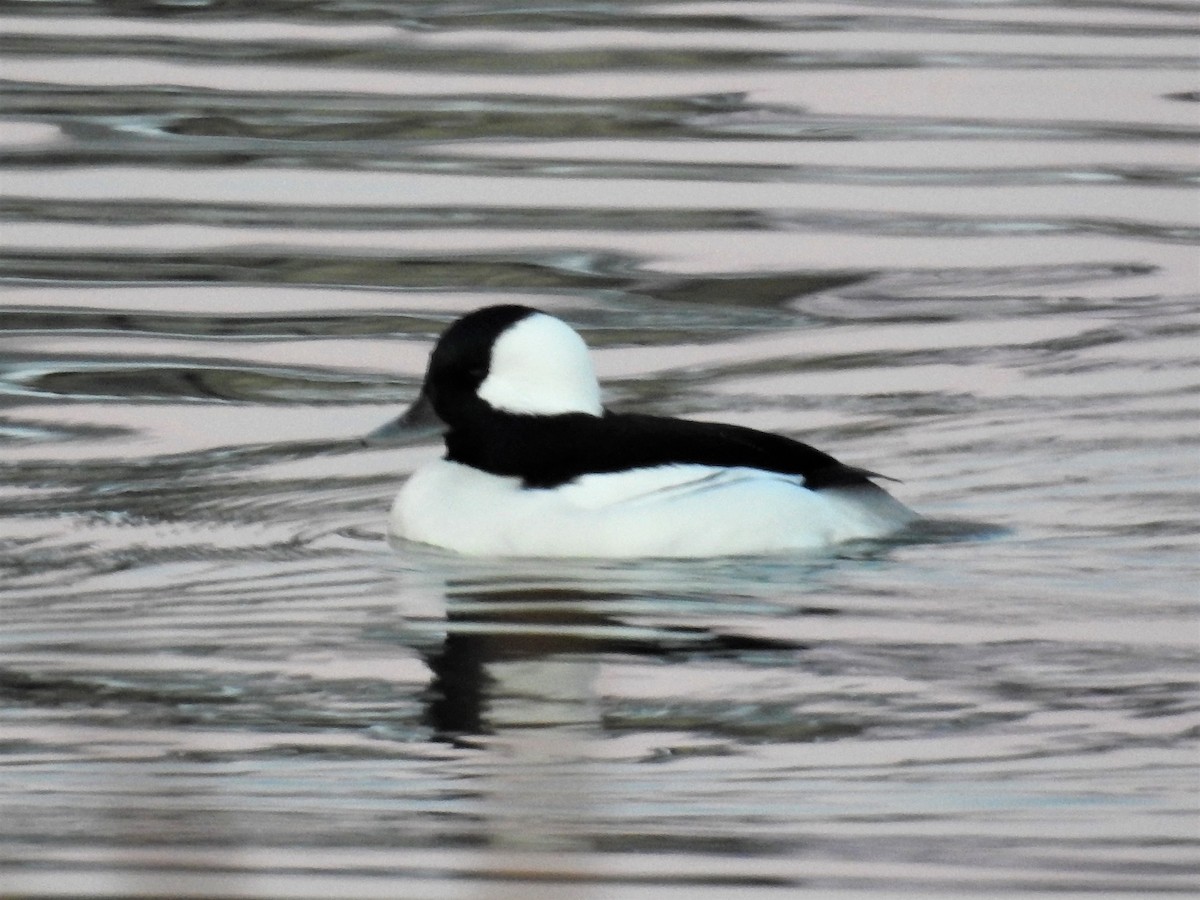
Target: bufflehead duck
535,466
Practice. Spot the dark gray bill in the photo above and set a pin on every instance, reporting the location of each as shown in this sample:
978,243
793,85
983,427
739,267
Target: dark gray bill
418,423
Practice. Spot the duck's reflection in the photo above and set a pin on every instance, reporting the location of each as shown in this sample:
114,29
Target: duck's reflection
518,675
493,670
457,693
528,659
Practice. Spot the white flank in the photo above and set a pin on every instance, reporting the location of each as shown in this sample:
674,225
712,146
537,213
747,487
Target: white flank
541,366
670,511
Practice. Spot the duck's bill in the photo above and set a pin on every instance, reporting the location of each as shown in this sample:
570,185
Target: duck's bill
418,423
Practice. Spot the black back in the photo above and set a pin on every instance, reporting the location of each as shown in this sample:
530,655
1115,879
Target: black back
546,451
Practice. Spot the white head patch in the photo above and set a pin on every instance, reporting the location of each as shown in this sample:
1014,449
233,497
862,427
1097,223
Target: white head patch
541,366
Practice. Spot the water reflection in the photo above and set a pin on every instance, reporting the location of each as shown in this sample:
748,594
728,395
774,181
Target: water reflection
518,676
528,658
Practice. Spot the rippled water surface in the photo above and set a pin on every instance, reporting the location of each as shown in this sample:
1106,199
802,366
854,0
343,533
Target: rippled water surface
951,241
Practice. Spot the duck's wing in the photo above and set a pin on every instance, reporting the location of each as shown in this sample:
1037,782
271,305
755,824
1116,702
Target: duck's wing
618,442
549,451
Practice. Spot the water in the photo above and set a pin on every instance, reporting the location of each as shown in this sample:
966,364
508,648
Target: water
955,242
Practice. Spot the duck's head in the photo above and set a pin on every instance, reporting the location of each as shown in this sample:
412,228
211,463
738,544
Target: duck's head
506,359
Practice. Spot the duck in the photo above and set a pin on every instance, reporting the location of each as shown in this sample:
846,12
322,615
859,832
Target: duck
536,466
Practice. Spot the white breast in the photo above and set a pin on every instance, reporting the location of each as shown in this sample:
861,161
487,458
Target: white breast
668,511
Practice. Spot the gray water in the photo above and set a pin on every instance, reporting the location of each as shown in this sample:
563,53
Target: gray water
953,242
